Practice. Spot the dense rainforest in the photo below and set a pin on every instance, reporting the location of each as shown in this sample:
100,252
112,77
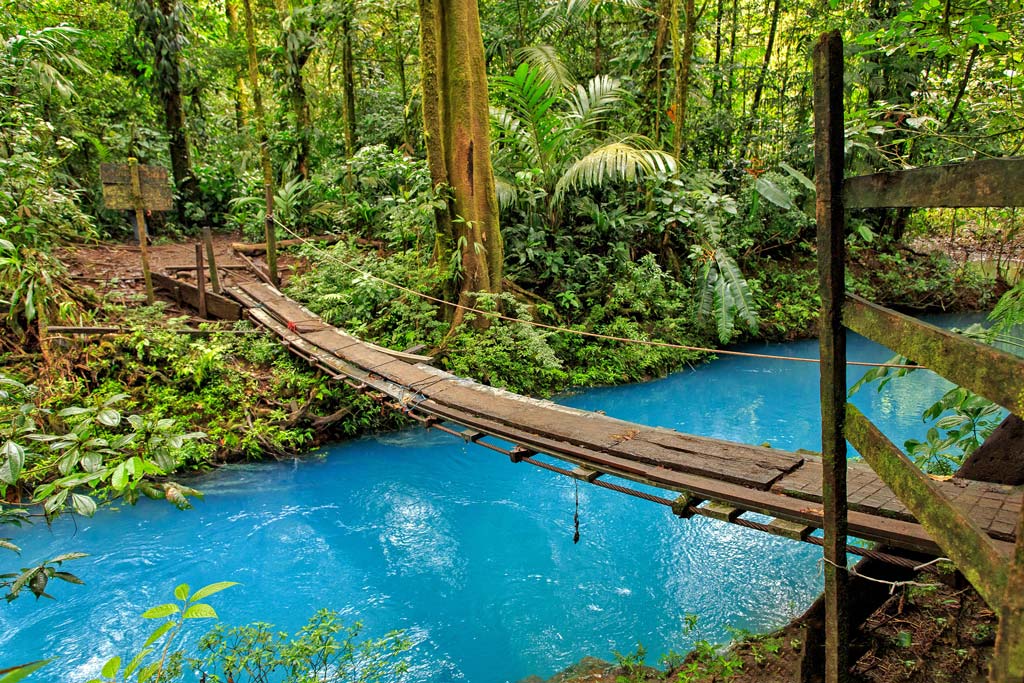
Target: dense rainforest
604,171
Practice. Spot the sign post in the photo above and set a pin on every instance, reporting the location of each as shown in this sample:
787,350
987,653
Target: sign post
131,187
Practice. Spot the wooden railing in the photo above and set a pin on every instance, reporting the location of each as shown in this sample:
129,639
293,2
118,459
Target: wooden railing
989,372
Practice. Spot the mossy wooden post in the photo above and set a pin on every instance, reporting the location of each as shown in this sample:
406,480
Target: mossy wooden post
201,281
214,277
828,162
261,135
1008,662
456,121
140,221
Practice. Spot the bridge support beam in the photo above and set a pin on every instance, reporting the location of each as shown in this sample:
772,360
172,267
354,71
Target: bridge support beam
828,162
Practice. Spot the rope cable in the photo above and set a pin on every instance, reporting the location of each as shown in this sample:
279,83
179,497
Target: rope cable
582,333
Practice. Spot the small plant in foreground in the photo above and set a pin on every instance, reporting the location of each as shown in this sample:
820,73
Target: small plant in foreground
157,661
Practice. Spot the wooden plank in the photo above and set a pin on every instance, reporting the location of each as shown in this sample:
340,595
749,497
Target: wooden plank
829,151
792,530
963,541
117,187
721,511
986,182
217,305
990,372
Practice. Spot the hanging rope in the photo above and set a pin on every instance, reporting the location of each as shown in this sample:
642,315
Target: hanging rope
565,330
576,517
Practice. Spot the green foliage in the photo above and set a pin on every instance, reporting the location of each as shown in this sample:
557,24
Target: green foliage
160,659
87,452
325,649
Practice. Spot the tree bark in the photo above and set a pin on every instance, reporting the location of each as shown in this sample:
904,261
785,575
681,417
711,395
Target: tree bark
682,54
763,75
456,122
270,231
349,78
166,38
234,37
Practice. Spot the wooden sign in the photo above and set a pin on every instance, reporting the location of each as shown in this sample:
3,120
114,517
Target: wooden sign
117,187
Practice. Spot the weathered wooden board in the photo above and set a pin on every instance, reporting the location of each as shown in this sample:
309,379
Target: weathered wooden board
985,370
117,187
989,182
217,306
963,540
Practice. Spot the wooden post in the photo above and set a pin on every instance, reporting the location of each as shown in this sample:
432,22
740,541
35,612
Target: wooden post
1008,662
828,162
201,280
214,279
140,221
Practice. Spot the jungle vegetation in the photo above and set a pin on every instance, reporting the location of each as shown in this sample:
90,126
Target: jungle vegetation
632,168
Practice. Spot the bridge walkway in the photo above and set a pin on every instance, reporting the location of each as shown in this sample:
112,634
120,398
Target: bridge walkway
712,477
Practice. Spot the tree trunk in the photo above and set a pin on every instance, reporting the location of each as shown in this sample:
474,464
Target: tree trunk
270,232
349,77
456,122
763,75
234,37
682,57
298,41
165,34
657,63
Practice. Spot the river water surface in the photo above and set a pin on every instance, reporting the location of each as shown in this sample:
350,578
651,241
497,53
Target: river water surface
471,555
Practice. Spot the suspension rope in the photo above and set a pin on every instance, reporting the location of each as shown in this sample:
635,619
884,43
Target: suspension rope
556,328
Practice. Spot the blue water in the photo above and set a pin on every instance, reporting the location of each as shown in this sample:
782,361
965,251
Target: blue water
469,553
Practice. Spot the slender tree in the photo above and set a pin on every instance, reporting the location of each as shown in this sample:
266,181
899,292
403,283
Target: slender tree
456,123
162,23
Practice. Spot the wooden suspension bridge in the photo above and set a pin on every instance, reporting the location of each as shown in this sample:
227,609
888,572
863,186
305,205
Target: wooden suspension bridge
711,477
885,499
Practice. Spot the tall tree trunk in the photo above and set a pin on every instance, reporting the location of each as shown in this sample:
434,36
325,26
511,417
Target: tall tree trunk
270,232
235,38
162,24
763,75
298,42
349,78
658,63
456,122
682,57
403,84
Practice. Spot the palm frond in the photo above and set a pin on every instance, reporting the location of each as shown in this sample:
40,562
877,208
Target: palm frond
545,61
508,195
613,162
589,104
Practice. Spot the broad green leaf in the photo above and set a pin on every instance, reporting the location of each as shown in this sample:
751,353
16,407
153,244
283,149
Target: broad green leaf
200,610
108,417
160,611
83,505
73,411
157,634
120,478
773,193
69,556
111,667
19,673
181,592
69,577
800,177
207,591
